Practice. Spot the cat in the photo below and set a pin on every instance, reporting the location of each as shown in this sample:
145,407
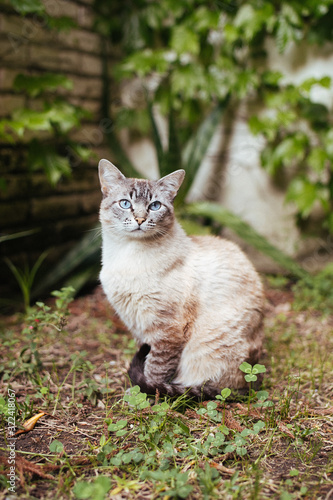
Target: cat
193,303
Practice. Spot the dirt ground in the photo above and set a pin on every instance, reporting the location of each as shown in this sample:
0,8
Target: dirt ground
75,415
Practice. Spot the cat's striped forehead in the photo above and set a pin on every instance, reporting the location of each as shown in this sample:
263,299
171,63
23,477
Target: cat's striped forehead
140,189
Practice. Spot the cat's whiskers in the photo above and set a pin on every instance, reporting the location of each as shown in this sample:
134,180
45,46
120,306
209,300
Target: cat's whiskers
97,232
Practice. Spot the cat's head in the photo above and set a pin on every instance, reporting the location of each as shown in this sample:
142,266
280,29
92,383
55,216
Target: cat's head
137,208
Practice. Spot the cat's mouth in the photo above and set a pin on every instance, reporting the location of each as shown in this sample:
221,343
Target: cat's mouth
138,229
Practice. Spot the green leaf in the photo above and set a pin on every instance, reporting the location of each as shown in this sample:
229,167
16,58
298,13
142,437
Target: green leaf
95,490
304,194
248,234
135,390
317,159
245,367
56,446
189,82
310,82
225,393
184,40
143,63
183,491
224,429
250,378
138,457
292,149
35,85
272,78
42,156
262,395
203,19
24,7
251,21
118,425
65,116
3,406
247,81
287,27
31,120
211,405
117,460
161,408
184,428
82,152
121,433
61,23
328,141
258,426
258,369
241,451
316,113
192,226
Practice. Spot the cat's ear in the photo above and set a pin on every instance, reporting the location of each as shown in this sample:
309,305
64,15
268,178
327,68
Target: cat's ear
172,182
109,175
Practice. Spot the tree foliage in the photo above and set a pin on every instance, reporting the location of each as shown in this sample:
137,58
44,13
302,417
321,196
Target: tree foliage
44,110
190,55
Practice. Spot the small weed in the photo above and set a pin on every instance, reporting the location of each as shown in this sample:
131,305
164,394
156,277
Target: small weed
251,371
277,281
56,447
94,490
232,487
208,479
225,393
25,278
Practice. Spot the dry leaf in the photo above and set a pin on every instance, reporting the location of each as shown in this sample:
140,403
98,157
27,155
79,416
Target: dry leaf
222,468
30,424
283,428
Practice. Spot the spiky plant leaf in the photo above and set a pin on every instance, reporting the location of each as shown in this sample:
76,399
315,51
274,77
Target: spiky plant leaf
220,214
20,234
86,253
173,155
84,275
196,149
121,159
157,140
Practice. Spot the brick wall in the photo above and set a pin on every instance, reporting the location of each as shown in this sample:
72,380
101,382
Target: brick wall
59,215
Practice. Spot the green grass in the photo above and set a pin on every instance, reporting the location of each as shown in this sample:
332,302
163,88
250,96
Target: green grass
99,440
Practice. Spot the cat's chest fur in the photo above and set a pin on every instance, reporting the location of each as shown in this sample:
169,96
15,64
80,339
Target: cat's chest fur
144,282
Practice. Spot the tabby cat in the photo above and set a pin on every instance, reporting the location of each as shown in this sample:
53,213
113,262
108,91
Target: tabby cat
193,303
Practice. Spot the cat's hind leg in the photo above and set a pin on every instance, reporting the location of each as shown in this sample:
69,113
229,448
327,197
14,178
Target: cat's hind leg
153,368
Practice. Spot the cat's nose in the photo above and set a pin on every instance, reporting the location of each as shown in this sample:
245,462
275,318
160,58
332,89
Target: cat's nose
140,220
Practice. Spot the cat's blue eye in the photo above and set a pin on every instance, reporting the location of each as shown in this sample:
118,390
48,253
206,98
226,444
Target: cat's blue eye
156,205
125,204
